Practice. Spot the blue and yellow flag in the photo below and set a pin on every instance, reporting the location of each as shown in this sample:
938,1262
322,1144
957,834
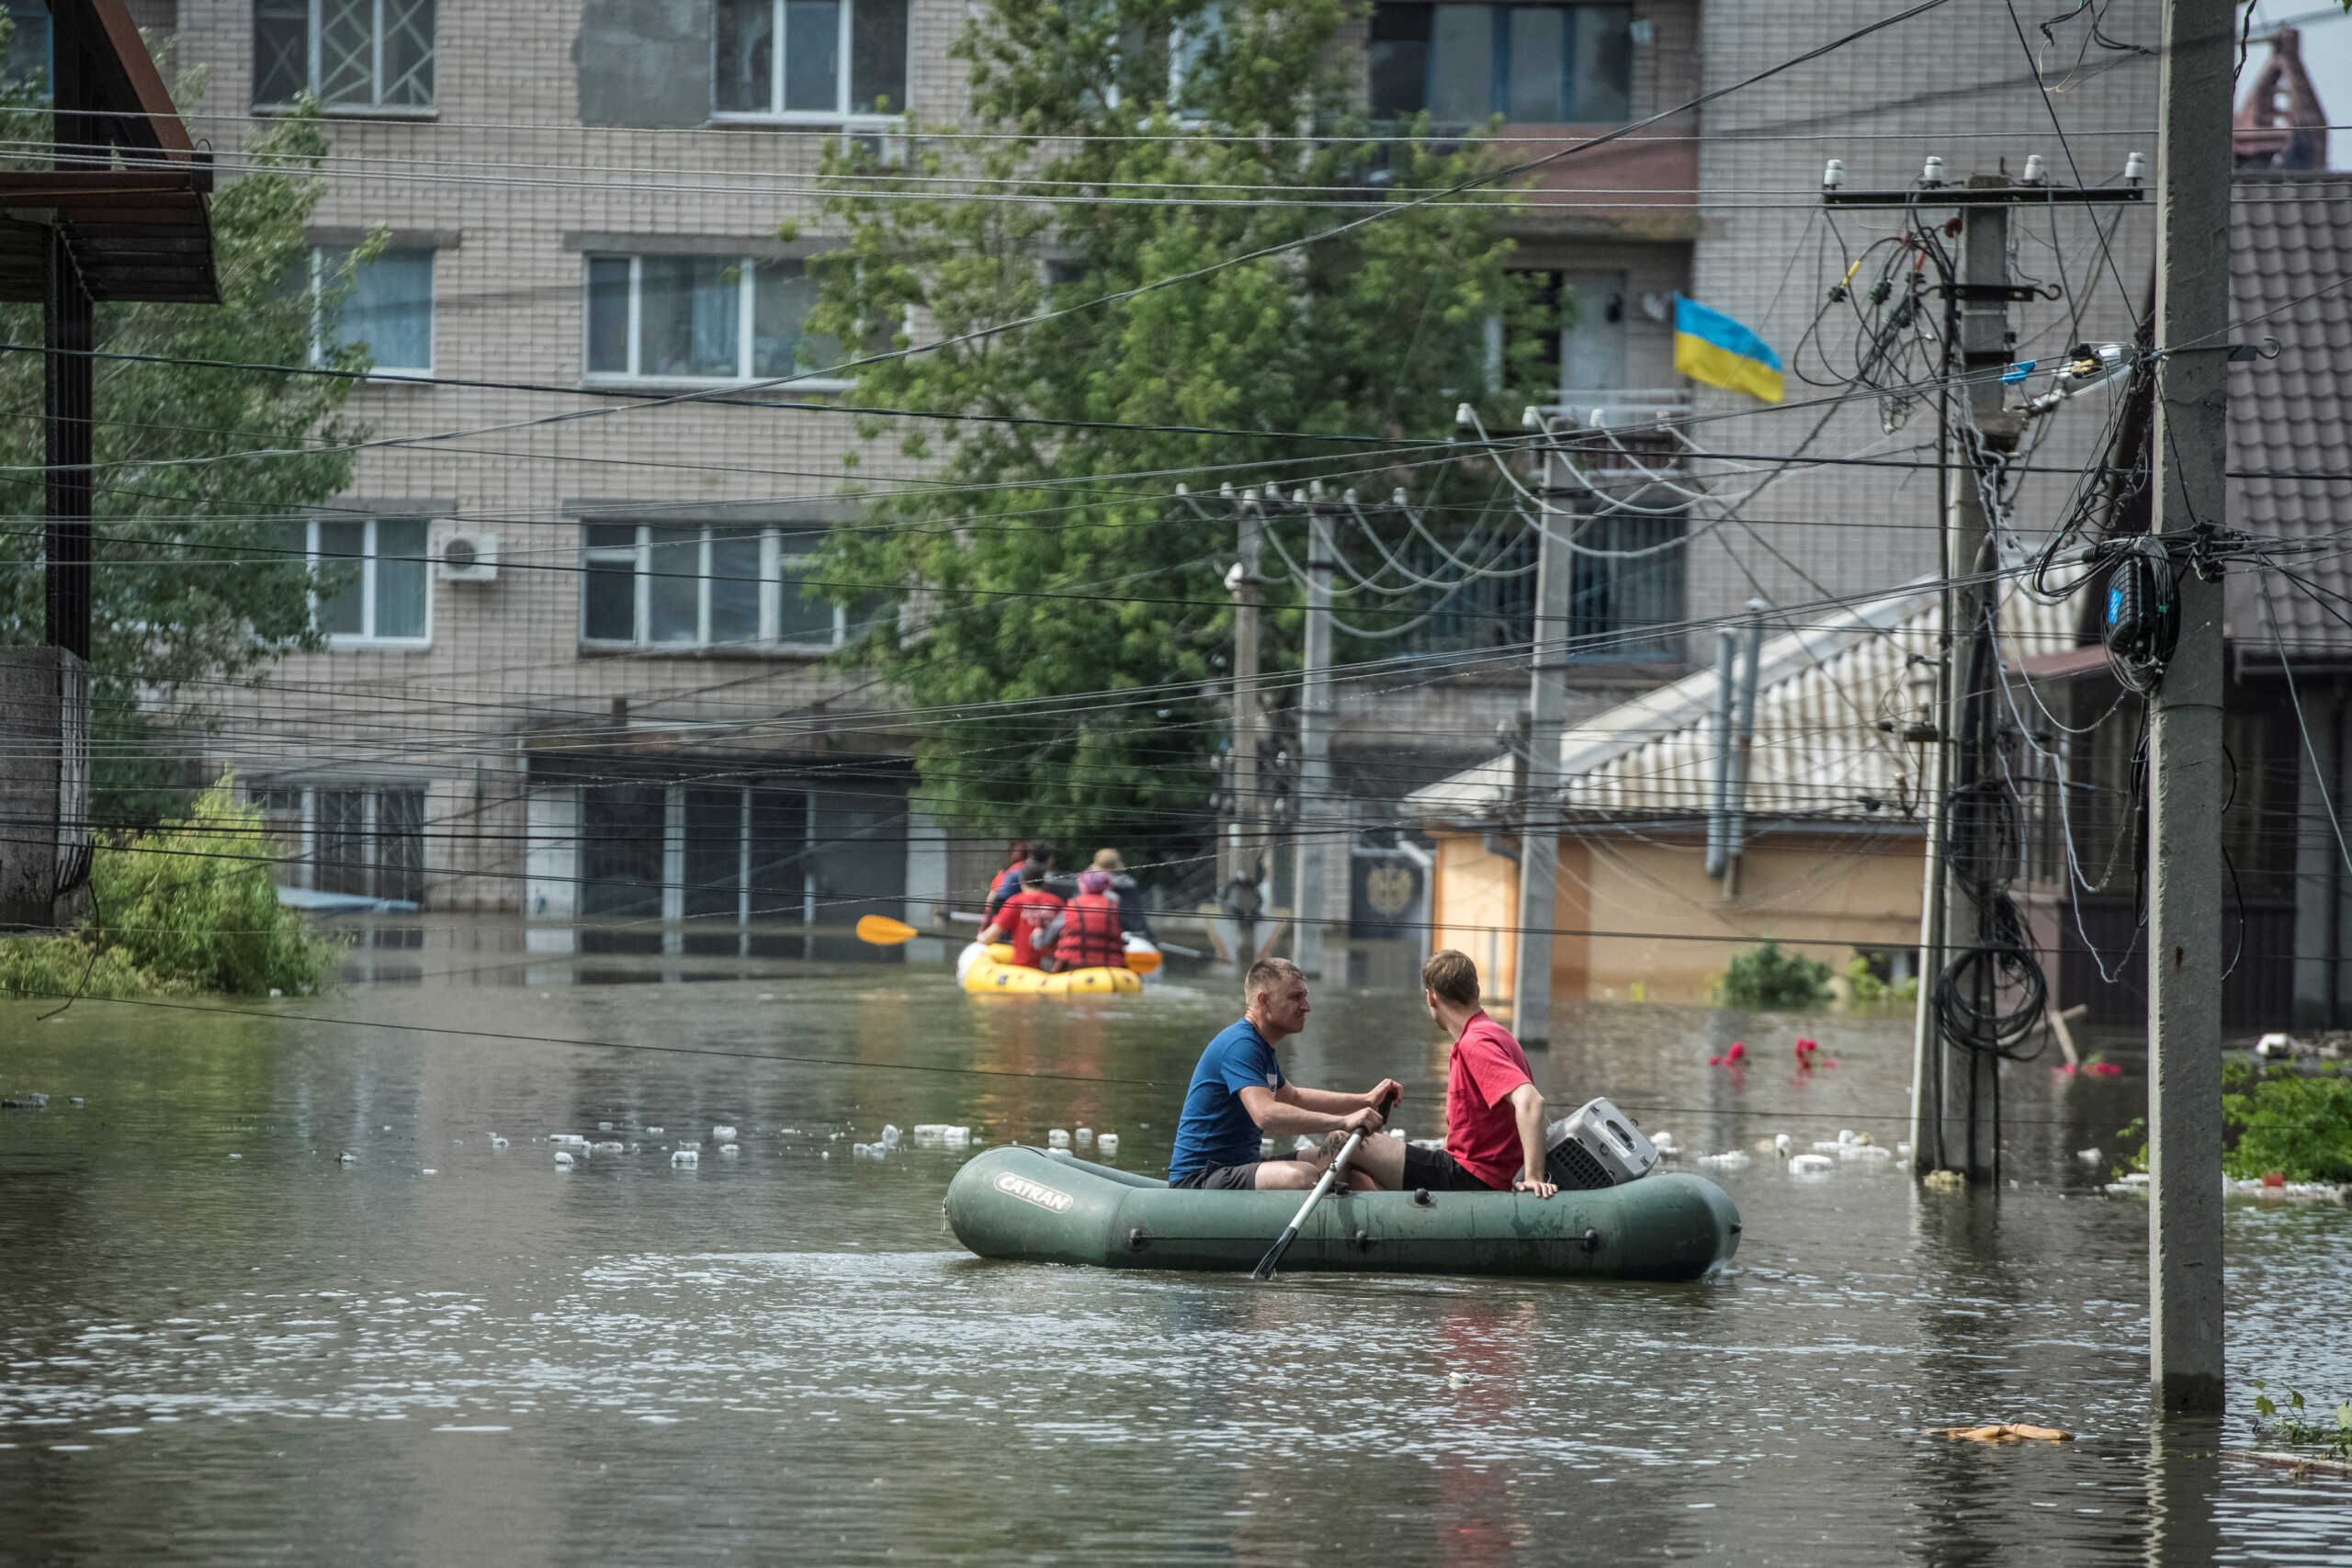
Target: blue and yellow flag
1709,347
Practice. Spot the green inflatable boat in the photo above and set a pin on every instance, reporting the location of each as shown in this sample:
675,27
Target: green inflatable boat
1042,1207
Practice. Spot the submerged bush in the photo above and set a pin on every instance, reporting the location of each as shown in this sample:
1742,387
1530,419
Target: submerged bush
190,907
2297,1125
1766,977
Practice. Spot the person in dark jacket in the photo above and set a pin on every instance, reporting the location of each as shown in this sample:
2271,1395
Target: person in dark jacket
1085,935
1123,887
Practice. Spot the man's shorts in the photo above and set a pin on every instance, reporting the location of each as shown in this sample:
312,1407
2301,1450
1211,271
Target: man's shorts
1242,1178
1435,1170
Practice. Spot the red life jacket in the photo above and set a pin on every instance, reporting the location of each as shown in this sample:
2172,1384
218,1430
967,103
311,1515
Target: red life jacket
1090,938
1027,913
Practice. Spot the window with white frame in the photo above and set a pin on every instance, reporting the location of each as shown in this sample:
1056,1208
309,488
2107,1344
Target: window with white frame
702,319
389,308
809,60
376,586
354,54
707,585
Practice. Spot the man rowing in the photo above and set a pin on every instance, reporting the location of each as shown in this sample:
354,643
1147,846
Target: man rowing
1239,1095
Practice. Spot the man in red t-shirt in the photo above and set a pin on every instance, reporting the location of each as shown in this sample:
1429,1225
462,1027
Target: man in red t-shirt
1023,919
1494,1113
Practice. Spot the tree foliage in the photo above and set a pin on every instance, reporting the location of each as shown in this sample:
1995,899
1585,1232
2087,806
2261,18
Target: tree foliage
1049,563
1764,976
192,589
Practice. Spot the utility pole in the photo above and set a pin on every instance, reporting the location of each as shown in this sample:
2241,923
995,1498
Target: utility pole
1313,815
1743,746
1547,713
1960,819
2193,160
1244,848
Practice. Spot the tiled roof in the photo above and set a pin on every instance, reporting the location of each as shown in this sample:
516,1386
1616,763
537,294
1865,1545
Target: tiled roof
2291,250
1821,692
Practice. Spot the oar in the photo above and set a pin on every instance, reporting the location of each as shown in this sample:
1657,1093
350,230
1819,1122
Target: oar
1265,1269
884,931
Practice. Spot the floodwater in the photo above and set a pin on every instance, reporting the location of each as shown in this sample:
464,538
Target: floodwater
222,1343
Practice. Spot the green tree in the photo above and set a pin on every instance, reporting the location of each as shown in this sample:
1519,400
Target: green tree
192,590
1051,560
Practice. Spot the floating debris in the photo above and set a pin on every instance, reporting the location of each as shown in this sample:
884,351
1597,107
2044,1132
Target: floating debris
1944,1182
1057,1138
346,1158
1084,1136
722,1135
1867,1153
1811,1165
1734,1159
566,1140
607,1146
939,1135
237,1156
2089,1157
654,1132
25,1102
2004,1432
685,1159
563,1159
496,1141
889,1137
1107,1145
428,1170
869,1151
729,1151
604,1126
1784,1145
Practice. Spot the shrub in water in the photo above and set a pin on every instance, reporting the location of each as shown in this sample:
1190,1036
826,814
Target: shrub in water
190,907
1766,977
2298,1125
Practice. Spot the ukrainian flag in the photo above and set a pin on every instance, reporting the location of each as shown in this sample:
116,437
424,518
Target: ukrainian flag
1709,347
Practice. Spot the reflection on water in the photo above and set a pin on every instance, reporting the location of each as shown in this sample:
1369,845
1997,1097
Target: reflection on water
226,1342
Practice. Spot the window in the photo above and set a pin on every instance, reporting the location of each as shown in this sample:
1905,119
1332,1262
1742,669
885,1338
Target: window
1539,65
742,853
650,585
1626,606
354,54
1589,356
375,572
28,57
389,308
703,319
372,842
810,59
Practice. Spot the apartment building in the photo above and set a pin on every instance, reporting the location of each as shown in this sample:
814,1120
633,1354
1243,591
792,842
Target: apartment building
577,675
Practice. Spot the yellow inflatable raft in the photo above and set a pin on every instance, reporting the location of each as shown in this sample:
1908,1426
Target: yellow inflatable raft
989,967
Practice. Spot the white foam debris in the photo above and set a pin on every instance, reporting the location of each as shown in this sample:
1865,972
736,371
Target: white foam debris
1864,1139
1827,1145
498,1142
654,1132
1661,1140
237,1156
2131,1179
1107,1145
729,1151
607,1146
1811,1165
1057,1138
867,1151
430,1172
1903,1151
1784,1145
1845,1134
890,1136
940,1135
346,1158
685,1159
1734,1159
689,1143
722,1135
2089,1157
563,1159
1864,1153
566,1140
604,1126
1084,1136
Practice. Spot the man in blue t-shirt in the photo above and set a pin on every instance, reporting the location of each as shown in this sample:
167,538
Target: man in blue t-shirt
1238,1096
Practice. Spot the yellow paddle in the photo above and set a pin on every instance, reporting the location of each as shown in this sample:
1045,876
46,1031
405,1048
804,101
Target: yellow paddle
884,931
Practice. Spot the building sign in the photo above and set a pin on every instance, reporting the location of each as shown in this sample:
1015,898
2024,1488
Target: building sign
1385,897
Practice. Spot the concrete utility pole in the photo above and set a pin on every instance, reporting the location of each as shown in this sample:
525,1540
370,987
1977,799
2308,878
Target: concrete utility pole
1244,846
2193,160
1743,745
1547,714
1313,816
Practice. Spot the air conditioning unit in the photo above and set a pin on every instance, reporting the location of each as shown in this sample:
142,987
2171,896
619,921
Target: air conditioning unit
464,555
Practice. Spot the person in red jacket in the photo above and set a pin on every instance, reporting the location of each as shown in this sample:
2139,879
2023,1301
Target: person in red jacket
1023,919
1086,933
1008,882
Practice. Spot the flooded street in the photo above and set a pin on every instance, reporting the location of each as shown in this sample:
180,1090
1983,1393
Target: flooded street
226,1343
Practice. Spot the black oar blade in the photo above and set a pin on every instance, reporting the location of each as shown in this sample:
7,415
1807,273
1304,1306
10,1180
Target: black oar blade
1265,1269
